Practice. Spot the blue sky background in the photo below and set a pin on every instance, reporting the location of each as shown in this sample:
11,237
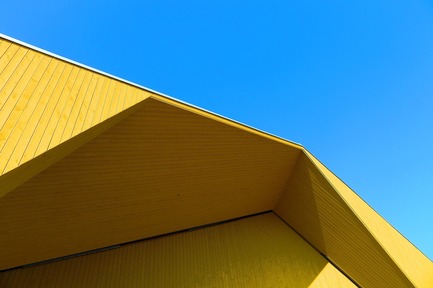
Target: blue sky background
350,80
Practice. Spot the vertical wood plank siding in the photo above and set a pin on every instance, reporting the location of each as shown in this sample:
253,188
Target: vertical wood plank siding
88,161
259,251
45,101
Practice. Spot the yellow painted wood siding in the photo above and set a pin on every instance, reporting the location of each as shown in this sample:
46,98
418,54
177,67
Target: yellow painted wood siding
45,101
259,251
313,208
29,169
162,169
416,266
50,107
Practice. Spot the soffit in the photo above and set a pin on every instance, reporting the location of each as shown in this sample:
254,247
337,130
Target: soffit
52,107
160,170
29,169
312,206
47,101
416,266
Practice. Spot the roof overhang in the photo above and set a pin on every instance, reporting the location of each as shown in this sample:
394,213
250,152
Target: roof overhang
89,161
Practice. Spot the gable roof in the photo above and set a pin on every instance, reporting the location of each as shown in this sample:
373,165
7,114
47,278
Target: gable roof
88,160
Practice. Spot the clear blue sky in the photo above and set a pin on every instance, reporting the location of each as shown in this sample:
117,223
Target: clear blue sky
350,80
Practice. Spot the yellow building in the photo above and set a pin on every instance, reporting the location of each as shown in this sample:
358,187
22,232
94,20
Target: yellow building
104,183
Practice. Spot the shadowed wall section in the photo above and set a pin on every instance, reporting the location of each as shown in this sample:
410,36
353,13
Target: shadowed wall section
258,251
406,256
44,102
315,210
160,170
88,161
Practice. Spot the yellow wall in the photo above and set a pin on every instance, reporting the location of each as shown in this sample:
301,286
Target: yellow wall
417,267
312,206
88,160
259,251
44,102
162,169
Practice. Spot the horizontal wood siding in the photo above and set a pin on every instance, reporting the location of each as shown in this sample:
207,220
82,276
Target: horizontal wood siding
24,172
46,101
88,160
259,251
162,169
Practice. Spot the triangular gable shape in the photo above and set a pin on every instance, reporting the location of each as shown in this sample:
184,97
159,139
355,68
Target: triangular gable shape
89,161
160,170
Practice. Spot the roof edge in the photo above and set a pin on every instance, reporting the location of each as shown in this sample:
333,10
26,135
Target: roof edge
16,177
162,95
376,238
362,199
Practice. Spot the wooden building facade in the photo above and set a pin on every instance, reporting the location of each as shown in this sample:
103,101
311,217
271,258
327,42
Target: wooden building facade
104,183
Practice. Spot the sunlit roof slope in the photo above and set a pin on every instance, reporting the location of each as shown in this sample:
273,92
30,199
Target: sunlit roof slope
89,161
